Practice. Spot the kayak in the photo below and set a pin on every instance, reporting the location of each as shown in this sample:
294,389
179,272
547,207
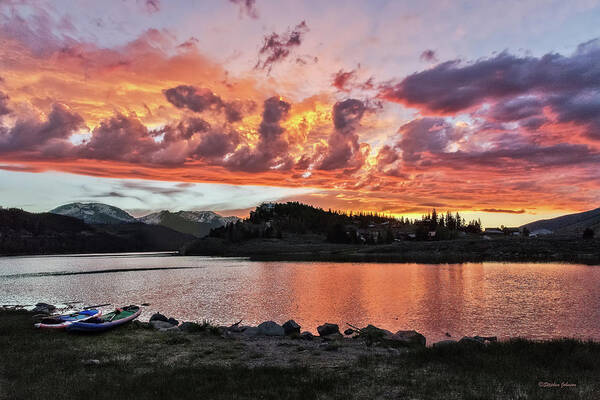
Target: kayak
62,321
107,321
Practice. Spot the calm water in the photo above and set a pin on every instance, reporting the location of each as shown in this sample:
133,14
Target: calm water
531,300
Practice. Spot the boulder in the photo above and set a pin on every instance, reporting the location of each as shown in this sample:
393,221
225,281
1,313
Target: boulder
444,343
486,338
270,328
291,327
375,333
158,317
251,331
306,336
162,326
332,336
328,329
43,308
190,327
140,325
408,338
348,332
471,341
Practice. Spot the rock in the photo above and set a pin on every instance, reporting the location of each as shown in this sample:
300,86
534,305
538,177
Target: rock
444,343
162,318
190,327
270,328
90,362
471,341
409,338
145,304
375,333
140,325
242,328
251,331
43,308
328,329
306,336
448,334
159,317
291,327
332,336
486,338
162,326
348,332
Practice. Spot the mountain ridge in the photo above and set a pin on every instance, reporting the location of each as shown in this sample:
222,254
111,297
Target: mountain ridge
22,232
94,213
570,224
197,223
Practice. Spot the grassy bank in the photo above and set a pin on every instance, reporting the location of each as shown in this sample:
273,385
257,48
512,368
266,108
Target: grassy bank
136,363
312,248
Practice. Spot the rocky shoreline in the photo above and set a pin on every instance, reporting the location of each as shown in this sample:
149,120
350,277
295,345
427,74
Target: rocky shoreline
327,332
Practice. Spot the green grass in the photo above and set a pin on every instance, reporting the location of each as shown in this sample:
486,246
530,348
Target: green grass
139,363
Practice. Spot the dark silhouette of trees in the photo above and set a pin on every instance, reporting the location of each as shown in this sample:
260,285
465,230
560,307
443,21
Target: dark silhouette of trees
588,233
337,234
278,220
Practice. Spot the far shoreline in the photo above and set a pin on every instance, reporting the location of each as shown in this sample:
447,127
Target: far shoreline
458,251
521,250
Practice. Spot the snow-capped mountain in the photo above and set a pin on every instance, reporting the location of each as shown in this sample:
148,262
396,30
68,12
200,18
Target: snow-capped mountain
197,223
95,213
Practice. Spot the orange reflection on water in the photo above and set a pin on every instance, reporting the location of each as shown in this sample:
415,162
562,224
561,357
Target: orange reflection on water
469,299
538,301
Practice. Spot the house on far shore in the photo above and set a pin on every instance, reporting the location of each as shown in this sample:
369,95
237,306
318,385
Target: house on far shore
540,232
493,232
512,231
503,231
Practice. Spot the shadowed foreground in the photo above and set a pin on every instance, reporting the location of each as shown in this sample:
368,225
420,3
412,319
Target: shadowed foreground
133,362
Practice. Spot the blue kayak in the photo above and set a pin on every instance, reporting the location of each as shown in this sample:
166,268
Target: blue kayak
107,321
63,321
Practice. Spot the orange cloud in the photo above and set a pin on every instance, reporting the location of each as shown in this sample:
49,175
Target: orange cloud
153,109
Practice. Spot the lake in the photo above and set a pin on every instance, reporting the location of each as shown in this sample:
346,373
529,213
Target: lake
538,301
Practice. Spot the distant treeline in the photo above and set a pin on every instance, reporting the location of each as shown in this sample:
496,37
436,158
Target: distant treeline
274,220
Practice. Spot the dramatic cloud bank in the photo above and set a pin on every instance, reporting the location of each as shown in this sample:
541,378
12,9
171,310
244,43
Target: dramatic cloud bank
502,134
530,91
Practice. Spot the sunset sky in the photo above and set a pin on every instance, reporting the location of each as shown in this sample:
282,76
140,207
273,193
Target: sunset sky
491,108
